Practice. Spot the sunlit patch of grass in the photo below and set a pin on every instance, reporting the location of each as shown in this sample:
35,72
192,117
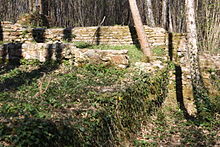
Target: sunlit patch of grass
78,106
134,52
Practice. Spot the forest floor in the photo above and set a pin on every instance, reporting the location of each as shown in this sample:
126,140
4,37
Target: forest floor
169,127
56,104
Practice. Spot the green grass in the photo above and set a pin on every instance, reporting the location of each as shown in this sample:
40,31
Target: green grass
159,51
135,54
60,105
72,107
2,42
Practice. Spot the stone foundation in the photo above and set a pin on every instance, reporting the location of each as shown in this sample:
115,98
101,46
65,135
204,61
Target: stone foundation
59,51
38,43
110,35
46,44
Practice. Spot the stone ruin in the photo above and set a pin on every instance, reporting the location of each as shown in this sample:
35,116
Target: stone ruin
44,44
57,44
63,51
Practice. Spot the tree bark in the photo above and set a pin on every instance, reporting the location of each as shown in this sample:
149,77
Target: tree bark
166,16
164,13
36,5
31,6
170,24
40,4
150,13
139,28
200,94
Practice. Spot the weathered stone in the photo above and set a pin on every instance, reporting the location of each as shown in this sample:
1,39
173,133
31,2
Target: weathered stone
120,59
106,57
112,35
15,34
58,51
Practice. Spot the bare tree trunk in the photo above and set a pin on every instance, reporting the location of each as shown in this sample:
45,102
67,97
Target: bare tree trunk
164,13
40,4
139,28
200,94
166,16
31,6
170,23
150,13
35,5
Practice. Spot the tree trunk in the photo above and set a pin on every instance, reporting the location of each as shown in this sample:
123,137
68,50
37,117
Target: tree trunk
31,6
170,24
139,28
166,16
1,32
150,13
164,13
37,6
40,4
200,94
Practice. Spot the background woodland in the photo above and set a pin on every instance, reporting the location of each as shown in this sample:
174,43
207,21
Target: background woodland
72,13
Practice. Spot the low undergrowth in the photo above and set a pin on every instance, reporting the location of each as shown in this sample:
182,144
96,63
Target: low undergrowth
175,130
169,125
215,81
47,105
53,104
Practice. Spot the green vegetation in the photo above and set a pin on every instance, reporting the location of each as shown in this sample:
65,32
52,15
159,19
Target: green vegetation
24,33
215,95
82,44
159,51
134,52
174,130
86,106
33,62
2,42
55,104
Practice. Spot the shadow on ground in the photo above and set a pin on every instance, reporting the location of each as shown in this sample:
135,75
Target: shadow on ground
13,83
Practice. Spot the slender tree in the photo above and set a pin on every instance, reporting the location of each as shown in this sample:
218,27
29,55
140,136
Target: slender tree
164,13
40,5
30,5
139,28
170,24
150,13
200,94
1,31
166,20
36,5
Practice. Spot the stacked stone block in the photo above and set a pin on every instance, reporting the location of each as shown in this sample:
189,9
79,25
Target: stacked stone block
36,41
111,35
58,51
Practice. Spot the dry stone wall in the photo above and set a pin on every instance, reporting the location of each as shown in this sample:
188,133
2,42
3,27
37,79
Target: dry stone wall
58,51
111,35
39,43
45,44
